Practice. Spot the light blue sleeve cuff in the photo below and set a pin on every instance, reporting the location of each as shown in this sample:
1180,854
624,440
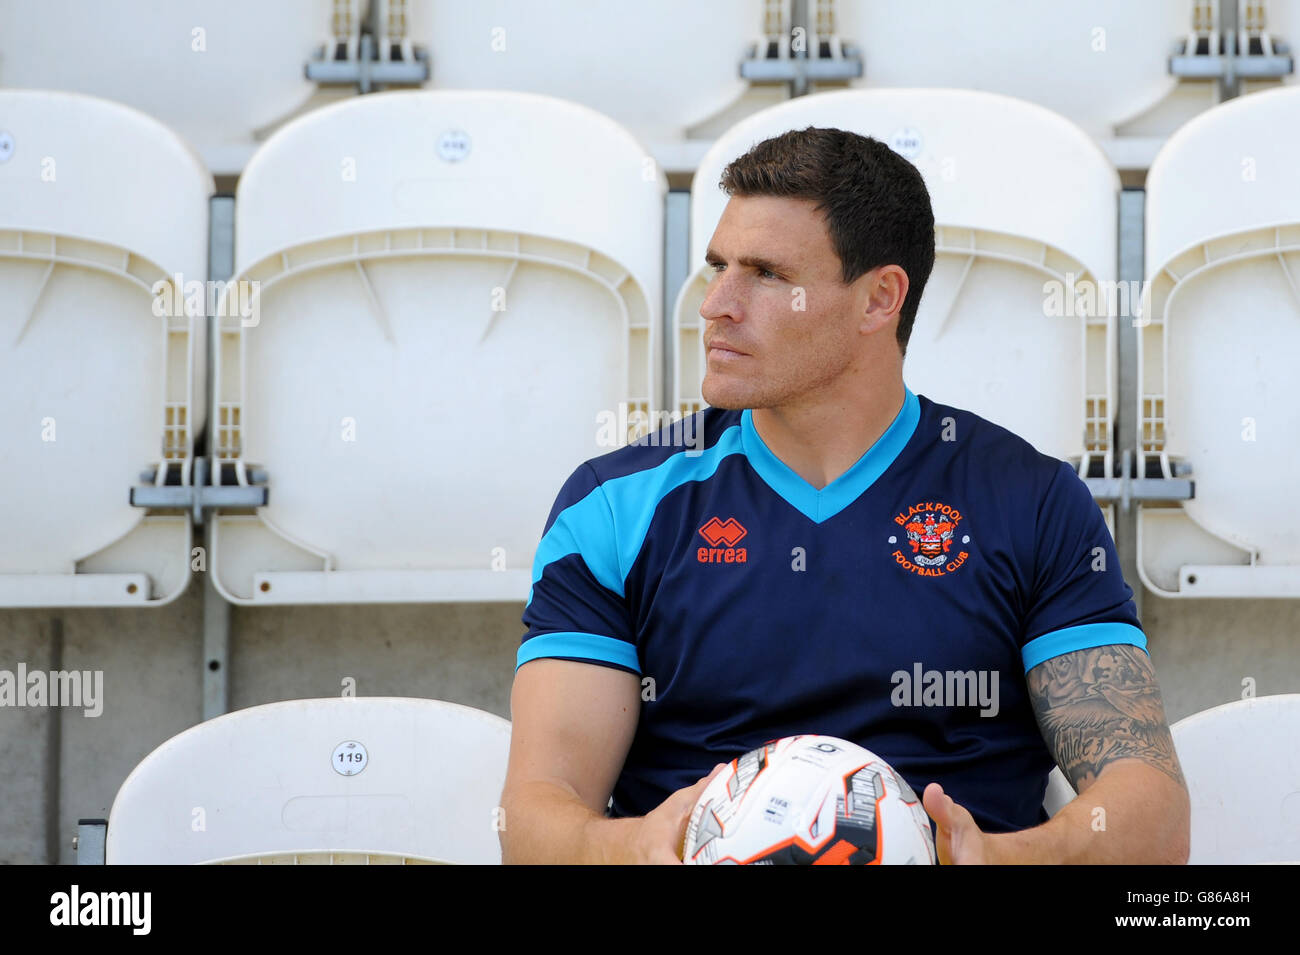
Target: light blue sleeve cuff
581,646
1083,637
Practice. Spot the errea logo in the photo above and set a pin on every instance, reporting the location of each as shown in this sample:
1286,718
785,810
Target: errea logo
723,536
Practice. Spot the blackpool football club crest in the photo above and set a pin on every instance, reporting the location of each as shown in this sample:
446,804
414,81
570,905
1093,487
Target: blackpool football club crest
928,539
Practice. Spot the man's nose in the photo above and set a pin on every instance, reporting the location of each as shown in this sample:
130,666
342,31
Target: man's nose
720,301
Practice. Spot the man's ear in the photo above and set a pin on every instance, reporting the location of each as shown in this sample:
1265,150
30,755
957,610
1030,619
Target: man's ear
886,290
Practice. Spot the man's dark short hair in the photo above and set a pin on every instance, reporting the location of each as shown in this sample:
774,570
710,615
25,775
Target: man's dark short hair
876,205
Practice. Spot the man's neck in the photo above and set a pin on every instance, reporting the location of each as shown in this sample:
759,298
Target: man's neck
821,440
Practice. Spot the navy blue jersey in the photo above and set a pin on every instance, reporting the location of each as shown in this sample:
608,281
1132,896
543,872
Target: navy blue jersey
900,607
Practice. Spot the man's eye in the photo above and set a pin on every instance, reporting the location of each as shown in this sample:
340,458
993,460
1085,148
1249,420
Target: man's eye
717,267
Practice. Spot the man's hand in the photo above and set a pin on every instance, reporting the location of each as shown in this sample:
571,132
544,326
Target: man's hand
959,841
661,837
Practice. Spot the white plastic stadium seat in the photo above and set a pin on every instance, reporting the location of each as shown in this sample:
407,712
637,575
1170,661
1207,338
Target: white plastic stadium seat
1243,776
1242,768
345,780
98,205
1022,198
1098,63
1059,792
656,68
457,293
1217,381
216,73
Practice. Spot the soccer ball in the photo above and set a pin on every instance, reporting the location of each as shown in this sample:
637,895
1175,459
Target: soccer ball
809,800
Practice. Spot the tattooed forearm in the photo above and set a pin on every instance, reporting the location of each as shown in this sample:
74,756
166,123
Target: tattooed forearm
1099,705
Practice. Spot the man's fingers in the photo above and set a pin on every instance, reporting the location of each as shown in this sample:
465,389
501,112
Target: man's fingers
713,774
689,797
936,803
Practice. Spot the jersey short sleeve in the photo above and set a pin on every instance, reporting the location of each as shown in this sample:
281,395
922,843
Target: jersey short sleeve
576,609
1078,597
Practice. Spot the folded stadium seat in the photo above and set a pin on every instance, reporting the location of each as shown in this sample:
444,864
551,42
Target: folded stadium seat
1219,395
456,303
99,206
1025,204
1242,767
1097,63
216,76
657,68
362,780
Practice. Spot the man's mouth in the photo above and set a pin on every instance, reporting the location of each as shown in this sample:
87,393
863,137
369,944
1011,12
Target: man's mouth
722,347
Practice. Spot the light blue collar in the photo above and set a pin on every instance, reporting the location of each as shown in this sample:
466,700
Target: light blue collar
820,505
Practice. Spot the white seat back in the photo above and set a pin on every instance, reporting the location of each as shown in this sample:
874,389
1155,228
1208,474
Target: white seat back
1059,792
215,74
99,378
456,299
268,784
657,68
1098,63
1217,381
1242,766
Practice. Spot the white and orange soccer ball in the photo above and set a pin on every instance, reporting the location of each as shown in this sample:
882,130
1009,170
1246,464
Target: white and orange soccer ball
809,800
